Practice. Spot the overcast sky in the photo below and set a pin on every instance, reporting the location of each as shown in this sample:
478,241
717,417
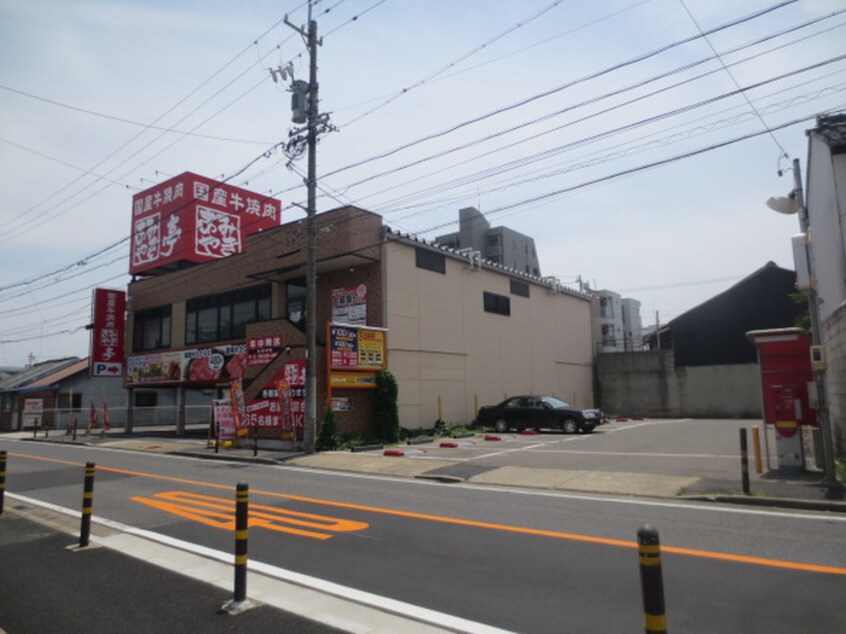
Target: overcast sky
609,131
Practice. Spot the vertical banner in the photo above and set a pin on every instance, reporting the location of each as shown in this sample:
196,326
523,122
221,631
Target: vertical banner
107,423
239,410
294,399
108,334
225,422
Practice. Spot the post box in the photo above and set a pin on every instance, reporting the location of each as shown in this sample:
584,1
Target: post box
784,358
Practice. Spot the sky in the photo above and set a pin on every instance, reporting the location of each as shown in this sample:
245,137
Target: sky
635,140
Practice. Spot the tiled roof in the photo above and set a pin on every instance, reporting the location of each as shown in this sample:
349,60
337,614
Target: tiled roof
35,373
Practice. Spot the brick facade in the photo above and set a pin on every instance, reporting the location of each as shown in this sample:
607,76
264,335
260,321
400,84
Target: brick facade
348,253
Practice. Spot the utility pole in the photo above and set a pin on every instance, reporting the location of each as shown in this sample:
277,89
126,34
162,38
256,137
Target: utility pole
315,124
814,313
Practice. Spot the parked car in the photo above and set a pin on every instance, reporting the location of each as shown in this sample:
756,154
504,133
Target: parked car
538,412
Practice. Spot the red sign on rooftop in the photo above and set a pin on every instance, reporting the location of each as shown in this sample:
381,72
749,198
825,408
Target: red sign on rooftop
191,218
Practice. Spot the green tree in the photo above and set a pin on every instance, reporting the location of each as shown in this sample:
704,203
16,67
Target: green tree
385,409
327,437
803,320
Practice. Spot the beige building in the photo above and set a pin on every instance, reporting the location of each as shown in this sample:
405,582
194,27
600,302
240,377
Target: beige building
468,333
461,331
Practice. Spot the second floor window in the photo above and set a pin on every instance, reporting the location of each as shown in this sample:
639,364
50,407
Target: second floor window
151,329
225,316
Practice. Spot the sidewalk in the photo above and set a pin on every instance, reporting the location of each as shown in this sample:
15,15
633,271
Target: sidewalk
805,490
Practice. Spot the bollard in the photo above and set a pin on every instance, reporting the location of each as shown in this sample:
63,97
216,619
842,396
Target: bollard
255,440
35,429
87,504
756,447
217,437
744,461
74,431
242,503
651,580
2,478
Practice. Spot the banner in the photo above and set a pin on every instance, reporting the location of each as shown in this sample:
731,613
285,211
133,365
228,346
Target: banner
108,334
239,411
218,364
223,420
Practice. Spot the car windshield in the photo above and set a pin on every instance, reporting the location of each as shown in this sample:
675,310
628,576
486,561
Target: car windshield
557,403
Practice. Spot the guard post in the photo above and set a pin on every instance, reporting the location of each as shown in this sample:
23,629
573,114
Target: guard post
651,580
744,461
239,603
87,504
2,478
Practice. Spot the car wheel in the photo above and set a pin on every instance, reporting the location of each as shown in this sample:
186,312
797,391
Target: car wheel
569,426
501,426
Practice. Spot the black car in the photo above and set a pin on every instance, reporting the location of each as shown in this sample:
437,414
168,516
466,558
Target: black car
538,412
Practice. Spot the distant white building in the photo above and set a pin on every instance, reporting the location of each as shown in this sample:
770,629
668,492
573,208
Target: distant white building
620,327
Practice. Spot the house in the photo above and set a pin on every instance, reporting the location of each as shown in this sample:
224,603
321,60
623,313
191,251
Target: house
701,363
52,391
458,331
826,215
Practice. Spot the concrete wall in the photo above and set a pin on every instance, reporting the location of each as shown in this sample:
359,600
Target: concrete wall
834,340
649,384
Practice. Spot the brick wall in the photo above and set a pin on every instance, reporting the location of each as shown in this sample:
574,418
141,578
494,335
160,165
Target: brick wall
348,253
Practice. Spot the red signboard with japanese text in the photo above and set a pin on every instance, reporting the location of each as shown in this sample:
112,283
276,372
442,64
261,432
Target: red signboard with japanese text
107,339
195,219
263,350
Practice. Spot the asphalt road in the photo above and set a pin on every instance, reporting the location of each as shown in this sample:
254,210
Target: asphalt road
518,560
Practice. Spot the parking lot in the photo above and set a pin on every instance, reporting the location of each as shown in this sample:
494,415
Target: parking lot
701,448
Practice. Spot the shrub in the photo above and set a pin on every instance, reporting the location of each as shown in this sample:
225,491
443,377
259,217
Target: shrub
327,437
385,407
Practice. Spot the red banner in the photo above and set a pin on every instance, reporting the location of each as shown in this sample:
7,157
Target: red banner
107,340
195,219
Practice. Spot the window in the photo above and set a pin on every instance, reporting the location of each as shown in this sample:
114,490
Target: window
65,401
225,316
607,307
296,302
498,304
430,260
146,399
519,288
151,329
492,239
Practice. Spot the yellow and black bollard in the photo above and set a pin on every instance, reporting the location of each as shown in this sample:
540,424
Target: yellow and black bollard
242,504
651,580
87,504
744,462
2,478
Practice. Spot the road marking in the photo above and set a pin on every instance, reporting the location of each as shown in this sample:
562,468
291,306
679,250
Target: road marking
408,611
220,513
705,554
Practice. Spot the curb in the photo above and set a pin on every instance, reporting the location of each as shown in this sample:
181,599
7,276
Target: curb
754,500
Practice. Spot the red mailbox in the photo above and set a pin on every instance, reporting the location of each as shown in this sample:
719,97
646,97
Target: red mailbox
784,356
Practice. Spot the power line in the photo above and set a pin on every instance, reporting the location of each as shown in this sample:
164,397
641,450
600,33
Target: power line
552,91
733,78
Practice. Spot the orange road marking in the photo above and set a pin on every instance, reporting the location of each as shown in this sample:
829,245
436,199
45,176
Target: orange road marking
705,554
220,513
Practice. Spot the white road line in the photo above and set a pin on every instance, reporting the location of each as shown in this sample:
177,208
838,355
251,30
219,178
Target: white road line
383,604
686,505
